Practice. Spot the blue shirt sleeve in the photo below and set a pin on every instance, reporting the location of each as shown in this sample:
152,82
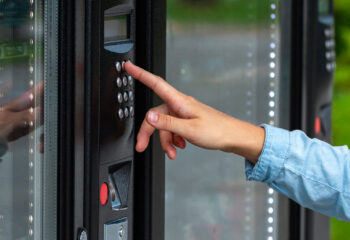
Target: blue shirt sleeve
309,171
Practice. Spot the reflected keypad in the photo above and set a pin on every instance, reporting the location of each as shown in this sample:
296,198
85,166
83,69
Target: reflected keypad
124,93
330,49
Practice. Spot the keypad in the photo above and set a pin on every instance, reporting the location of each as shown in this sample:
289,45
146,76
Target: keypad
330,49
120,97
121,113
118,66
126,112
125,96
123,65
132,112
124,92
125,81
119,82
130,80
131,95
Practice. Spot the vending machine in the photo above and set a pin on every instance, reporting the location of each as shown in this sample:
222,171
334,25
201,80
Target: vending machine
70,114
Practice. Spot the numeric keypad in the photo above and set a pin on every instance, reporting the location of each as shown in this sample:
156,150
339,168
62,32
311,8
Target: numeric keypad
124,92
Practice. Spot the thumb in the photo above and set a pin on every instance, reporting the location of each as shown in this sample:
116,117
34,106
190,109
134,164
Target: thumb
168,123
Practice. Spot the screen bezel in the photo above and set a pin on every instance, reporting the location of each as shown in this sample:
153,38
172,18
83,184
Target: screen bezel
128,30
326,11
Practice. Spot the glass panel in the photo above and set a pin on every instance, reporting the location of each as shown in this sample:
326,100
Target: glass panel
28,119
226,53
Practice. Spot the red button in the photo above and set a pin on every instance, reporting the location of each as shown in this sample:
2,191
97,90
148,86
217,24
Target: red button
104,193
317,125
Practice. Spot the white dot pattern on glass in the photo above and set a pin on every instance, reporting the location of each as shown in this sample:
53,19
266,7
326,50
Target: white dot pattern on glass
273,56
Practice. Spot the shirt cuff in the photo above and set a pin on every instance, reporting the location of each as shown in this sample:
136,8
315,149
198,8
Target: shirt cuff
273,155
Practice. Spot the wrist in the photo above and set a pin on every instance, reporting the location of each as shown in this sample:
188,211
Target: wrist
246,140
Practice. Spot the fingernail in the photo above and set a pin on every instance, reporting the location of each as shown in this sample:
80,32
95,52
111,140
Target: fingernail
153,116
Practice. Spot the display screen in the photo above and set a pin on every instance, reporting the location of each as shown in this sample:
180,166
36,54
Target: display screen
116,28
323,7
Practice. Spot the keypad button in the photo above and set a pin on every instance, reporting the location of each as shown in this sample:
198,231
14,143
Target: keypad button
132,111
120,113
131,96
126,97
130,80
126,112
334,65
120,98
329,44
333,54
118,66
328,32
328,55
125,81
329,67
123,65
119,82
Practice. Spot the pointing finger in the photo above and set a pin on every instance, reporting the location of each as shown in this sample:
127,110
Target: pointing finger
164,90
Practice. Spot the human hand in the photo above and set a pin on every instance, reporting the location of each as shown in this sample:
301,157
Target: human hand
17,116
182,118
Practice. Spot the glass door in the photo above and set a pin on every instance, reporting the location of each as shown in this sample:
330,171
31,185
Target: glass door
28,119
228,54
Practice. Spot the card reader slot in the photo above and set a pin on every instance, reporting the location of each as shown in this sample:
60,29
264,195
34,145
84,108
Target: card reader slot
120,180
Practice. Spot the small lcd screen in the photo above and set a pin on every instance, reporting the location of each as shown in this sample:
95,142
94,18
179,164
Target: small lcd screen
323,7
116,28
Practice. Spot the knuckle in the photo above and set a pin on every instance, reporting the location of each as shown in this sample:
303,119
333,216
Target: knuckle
168,123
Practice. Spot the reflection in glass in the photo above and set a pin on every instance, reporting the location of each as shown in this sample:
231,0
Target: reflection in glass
226,54
24,119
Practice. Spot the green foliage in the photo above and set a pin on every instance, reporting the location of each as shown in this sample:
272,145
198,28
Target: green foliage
342,27
341,116
341,99
340,230
213,11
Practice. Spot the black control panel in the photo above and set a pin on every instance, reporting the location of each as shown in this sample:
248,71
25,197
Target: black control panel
112,178
321,56
317,64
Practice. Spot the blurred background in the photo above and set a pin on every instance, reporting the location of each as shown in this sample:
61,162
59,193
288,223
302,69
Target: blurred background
341,110
194,26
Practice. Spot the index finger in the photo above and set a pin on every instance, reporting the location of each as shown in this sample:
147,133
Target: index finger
164,90
26,99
